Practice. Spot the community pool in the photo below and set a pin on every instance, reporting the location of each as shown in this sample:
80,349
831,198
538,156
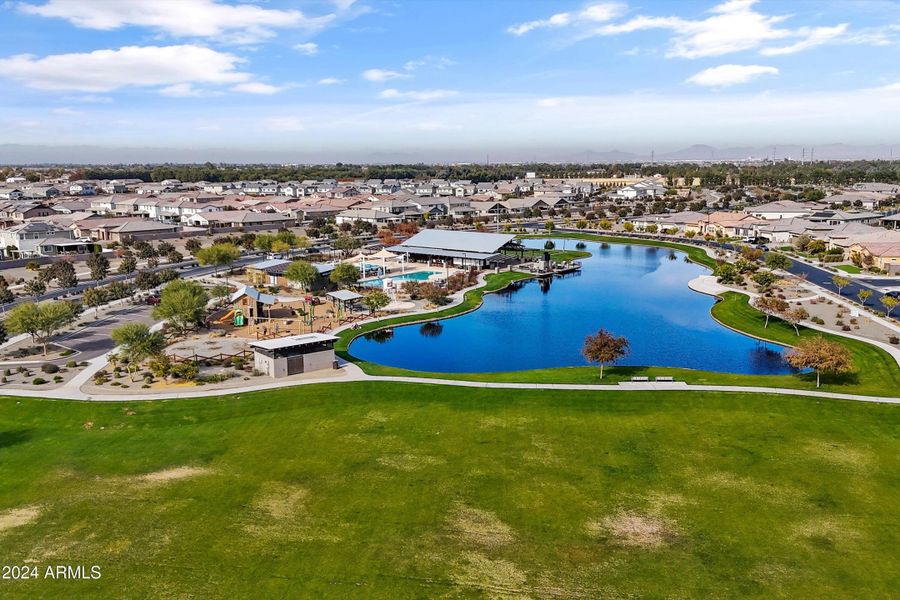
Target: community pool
640,292
417,276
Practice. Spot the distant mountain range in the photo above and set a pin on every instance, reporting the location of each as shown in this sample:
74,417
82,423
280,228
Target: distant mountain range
18,154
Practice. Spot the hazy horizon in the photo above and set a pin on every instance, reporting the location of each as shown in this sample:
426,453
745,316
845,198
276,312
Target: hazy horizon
346,80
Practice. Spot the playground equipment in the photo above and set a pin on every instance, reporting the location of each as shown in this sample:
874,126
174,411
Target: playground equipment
238,317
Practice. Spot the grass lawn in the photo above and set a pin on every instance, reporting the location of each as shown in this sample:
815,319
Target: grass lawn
376,490
557,255
848,269
696,254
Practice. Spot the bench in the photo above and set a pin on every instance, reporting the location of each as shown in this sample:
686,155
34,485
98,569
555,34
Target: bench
640,379
665,379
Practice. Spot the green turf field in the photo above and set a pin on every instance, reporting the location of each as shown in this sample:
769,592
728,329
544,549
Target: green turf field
378,490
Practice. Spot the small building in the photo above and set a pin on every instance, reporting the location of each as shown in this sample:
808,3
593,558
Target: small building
294,354
459,248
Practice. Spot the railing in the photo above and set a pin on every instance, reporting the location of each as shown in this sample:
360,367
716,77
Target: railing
221,357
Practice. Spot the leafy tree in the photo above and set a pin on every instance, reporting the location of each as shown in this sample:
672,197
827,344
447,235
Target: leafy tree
99,266
137,343
94,297
813,194
605,225
889,303
690,234
727,273
152,262
35,287
302,273
64,273
764,280
629,226
192,246
6,294
346,243
549,245
863,295
281,247
344,274
174,257
821,355
167,275
218,255
146,280
163,248
771,307
651,229
264,241
40,320
220,292
549,226
376,300
128,265
182,305
604,348
145,249
776,260
751,254
840,282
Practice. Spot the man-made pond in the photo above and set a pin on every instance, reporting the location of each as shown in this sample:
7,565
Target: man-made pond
640,292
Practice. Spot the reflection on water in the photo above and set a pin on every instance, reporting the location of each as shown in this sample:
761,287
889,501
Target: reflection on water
379,336
433,329
636,291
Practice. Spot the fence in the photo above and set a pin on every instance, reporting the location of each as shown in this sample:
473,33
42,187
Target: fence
221,357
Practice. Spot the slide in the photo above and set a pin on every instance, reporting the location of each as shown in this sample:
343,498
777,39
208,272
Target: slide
227,316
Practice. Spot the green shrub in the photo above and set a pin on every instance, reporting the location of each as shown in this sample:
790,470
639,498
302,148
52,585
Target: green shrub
67,352
49,368
38,381
71,364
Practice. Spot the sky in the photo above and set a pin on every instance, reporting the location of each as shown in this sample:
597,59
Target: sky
464,80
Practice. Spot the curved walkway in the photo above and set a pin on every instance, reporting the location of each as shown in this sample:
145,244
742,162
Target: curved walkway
355,374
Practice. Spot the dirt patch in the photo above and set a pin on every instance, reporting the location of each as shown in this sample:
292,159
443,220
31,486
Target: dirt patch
173,474
17,517
825,531
481,527
281,501
498,578
840,455
409,462
635,529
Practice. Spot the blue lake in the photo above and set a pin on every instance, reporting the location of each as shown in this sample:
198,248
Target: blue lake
636,291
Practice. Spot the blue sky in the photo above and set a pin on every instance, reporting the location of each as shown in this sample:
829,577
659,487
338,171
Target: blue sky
456,79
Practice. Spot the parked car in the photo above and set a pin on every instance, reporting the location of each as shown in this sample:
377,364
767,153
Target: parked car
153,300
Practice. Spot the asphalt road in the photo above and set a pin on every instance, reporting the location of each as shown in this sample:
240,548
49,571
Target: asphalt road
92,338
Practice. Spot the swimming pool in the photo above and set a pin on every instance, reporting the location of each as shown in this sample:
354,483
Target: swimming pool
417,276
637,291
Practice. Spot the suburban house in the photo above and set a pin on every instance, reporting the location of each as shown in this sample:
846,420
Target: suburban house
22,241
240,220
784,209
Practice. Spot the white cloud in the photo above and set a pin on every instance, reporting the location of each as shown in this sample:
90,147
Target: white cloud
732,26
308,48
379,75
593,13
255,87
726,75
240,23
330,81
282,124
814,37
431,62
107,70
181,90
416,96
90,99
